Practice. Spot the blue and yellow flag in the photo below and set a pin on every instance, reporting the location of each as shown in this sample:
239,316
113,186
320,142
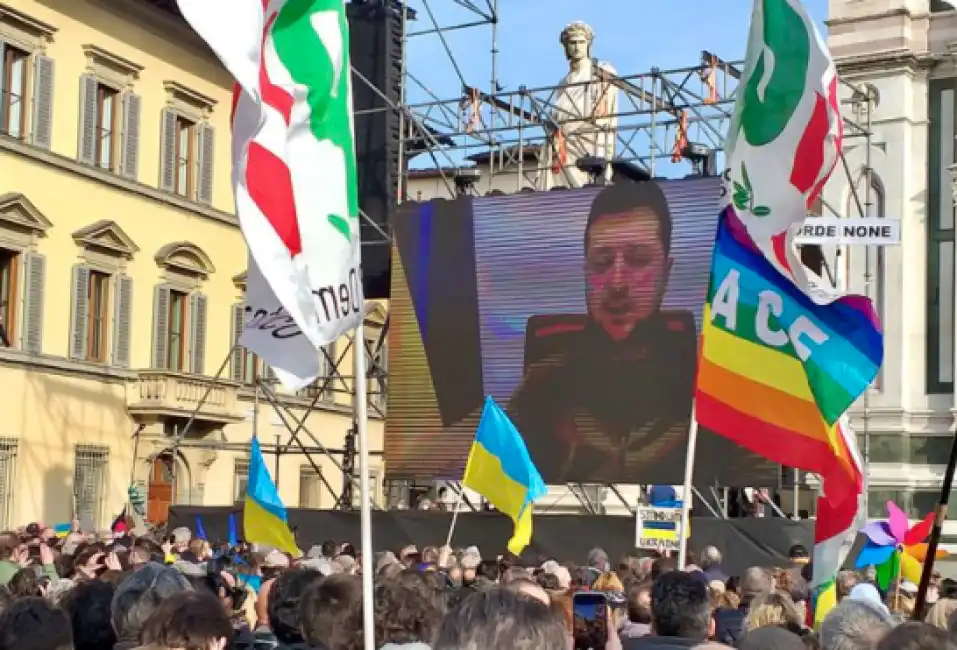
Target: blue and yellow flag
500,469
264,515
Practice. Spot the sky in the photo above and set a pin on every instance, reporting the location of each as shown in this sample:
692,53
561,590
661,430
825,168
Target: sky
633,35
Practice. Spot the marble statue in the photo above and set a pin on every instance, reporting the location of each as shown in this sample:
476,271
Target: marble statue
584,113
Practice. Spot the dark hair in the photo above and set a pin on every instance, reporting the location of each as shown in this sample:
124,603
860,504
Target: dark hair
548,581
680,606
406,610
917,636
798,552
140,595
329,548
88,606
663,565
8,544
331,613
216,585
188,621
625,197
285,598
489,569
34,624
499,618
25,584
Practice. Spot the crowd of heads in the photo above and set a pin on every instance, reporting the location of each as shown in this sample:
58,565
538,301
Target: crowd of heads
119,591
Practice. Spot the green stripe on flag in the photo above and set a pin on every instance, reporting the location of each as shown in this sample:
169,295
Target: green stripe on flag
323,68
831,398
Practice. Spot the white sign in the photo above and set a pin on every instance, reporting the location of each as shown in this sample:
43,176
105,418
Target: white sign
658,528
831,230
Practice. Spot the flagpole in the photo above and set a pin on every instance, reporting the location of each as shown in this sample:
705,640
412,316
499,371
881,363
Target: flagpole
365,505
687,494
455,514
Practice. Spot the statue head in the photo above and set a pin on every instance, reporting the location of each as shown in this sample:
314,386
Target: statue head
577,38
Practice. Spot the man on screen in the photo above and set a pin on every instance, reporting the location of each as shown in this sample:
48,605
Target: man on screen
606,396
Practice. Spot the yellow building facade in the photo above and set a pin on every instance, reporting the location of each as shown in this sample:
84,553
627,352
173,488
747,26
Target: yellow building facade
122,276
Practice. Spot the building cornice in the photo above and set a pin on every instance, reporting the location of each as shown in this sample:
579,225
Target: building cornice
68,367
890,13
884,62
68,165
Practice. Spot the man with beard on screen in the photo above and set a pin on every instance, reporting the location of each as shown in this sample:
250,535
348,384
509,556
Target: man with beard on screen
606,396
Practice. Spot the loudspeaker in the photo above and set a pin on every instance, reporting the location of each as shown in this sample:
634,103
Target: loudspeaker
376,51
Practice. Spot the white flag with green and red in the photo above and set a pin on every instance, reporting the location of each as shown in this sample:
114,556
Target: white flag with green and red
294,171
786,131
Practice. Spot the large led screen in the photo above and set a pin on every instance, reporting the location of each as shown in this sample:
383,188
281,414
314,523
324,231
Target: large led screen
578,311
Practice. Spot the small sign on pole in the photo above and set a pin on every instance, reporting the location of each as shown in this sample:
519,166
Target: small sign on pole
868,232
657,527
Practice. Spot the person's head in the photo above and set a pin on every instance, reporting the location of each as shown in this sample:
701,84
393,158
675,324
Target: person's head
25,584
799,555
771,638
755,581
528,587
627,256
283,603
577,39
917,636
88,606
598,559
405,611
199,548
329,548
772,609
680,607
639,603
845,582
710,557
9,542
189,621
490,570
180,538
331,611
499,618
34,624
140,594
663,565
854,625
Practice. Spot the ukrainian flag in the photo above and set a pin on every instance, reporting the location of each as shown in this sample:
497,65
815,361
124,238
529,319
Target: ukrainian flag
500,469
264,515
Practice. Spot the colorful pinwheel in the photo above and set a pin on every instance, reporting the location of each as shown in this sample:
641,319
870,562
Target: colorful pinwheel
894,548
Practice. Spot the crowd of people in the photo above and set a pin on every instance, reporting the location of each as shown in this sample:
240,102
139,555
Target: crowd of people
119,591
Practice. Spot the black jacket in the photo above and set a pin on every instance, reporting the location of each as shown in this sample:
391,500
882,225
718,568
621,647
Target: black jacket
652,642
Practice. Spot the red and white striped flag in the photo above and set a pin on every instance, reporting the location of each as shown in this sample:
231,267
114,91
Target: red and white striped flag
294,172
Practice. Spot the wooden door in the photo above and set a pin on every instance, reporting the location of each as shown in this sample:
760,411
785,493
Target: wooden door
160,494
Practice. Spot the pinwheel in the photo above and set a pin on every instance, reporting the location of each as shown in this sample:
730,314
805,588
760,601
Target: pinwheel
894,548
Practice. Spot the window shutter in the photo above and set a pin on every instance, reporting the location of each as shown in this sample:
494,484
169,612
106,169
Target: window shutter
122,321
168,151
238,321
87,153
204,190
34,272
197,339
131,135
80,313
270,373
161,298
43,101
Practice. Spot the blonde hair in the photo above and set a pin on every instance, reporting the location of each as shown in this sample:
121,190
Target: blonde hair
774,609
940,612
611,582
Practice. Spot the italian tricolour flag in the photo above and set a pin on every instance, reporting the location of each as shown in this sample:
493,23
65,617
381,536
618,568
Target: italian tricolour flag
294,171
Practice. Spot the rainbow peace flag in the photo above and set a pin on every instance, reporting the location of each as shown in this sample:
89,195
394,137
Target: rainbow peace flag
776,370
